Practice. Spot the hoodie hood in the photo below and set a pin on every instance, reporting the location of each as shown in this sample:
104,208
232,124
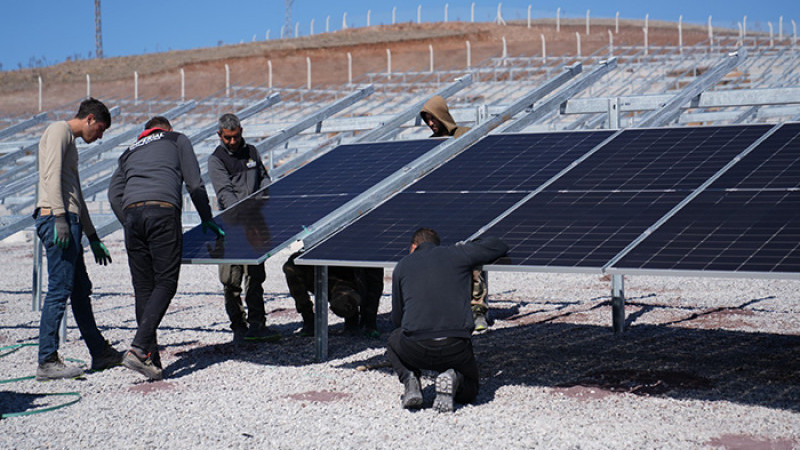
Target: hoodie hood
437,107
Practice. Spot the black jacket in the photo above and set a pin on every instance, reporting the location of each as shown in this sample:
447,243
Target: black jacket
236,175
154,169
431,288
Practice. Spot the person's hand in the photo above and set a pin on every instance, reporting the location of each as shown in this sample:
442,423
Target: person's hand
61,232
210,225
101,254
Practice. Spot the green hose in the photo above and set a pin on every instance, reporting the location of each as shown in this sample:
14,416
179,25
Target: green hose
13,348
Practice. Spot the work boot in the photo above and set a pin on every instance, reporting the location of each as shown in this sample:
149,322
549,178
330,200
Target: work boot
412,397
446,388
54,368
109,357
261,333
135,360
239,334
479,318
308,324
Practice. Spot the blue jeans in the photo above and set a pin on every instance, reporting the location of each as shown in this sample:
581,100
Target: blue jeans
66,279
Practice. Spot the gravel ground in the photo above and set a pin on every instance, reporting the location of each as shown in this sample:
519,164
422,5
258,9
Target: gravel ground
705,363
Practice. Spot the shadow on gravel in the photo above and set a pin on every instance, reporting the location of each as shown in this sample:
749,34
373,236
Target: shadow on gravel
694,364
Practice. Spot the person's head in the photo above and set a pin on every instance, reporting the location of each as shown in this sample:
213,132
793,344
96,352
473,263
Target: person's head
423,235
229,130
91,121
158,122
436,116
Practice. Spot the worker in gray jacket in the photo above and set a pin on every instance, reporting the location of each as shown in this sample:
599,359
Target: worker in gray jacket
236,171
146,196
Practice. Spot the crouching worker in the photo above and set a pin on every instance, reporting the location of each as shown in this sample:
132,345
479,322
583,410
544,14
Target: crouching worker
353,293
431,308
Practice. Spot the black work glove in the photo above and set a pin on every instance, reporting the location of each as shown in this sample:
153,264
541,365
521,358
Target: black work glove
61,232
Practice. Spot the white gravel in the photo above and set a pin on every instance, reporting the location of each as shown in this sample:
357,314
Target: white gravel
705,363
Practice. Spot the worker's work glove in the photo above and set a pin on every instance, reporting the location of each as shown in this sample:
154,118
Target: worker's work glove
101,254
61,232
210,225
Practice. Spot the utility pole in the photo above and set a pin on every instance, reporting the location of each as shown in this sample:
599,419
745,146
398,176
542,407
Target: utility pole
287,21
98,31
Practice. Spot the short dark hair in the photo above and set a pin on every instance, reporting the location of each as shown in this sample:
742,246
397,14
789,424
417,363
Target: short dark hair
97,109
228,121
158,122
425,235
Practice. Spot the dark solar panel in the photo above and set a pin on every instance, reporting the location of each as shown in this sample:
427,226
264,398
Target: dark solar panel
596,209
256,226
748,220
461,196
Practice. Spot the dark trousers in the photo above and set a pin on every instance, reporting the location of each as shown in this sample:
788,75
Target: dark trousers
408,356
231,276
153,240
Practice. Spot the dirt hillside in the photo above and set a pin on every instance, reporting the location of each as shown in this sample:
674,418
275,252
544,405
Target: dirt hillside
159,73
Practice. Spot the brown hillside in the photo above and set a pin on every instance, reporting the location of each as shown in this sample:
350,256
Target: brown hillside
159,73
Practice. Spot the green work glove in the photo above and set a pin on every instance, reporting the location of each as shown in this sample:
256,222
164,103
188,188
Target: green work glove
101,254
210,225
61,232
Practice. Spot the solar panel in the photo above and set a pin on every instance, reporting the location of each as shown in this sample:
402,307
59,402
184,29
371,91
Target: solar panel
459,197
748,220
596,209
257,225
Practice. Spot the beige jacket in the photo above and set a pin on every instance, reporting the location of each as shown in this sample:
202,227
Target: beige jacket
437,107
59,182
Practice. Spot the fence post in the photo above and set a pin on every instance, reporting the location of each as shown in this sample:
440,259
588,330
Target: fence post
469,55
744,27
344,20
499,18
297,29
88,86
311,31
308,71
587,22
227,81
349,69
505,48
328,24
369,12
780,28
472,12
269,72
419,13
771,42
645,40
616,23
394,15
529,16
558,20
544,49
446,6
710,33
578,37
430,49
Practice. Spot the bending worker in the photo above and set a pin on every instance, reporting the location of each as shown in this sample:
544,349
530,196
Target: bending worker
436,115
430,306
145,194
236,171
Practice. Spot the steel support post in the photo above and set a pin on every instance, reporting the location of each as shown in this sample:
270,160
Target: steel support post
618,302
321,312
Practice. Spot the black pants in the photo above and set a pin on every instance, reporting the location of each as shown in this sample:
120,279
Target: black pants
153,240
408,356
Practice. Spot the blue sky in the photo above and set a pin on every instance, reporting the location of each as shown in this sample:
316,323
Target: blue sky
50,31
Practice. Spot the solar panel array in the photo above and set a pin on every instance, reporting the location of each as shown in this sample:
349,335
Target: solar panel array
584,203
461,196
259,224
748,220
